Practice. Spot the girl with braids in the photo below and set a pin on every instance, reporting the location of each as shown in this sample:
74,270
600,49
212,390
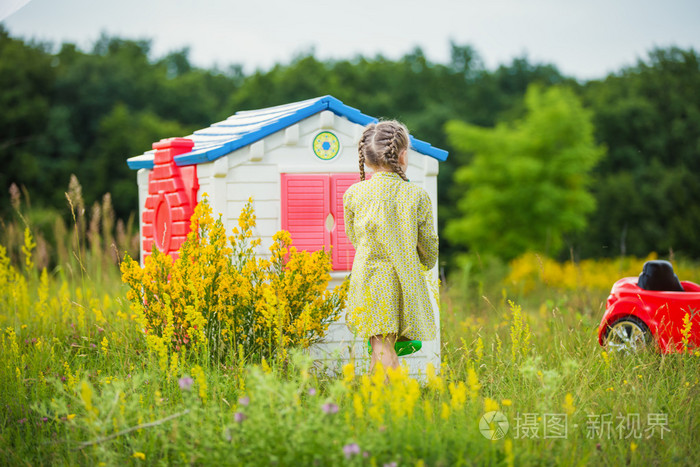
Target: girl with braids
390,223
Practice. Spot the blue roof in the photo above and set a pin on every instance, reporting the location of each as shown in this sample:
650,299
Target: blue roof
249,126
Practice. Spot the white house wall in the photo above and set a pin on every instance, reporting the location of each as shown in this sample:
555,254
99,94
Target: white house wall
142,184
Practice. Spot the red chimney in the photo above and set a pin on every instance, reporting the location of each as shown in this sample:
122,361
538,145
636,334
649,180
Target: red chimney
172,196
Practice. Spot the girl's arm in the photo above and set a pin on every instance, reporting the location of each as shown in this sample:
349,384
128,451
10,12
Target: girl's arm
349,219
427,238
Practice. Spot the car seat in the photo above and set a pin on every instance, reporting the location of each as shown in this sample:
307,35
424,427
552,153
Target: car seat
658,275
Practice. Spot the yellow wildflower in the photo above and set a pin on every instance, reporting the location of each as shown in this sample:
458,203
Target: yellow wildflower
479,350
519,332
445,412
459,395
173,365
508,448
27,248
490,405
473,381
218,297
685,331
201,380
139,455
365,386
397,375
348,373
357,405
435,382
411,396
379,375
569,404
86,397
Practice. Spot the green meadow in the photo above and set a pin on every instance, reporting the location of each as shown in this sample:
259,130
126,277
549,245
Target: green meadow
523,380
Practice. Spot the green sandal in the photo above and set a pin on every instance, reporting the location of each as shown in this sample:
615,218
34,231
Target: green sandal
402,347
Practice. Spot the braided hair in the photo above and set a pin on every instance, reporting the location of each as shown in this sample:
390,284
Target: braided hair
380,146
361,147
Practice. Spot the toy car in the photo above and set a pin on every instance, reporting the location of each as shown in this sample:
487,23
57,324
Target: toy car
651,308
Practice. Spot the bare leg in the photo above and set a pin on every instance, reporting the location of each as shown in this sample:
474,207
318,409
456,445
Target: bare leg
383,351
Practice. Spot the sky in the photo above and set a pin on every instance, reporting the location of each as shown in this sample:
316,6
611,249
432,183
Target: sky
583,39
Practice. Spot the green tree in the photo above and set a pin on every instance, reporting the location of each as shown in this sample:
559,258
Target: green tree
527,184
647,187
26,77
123,134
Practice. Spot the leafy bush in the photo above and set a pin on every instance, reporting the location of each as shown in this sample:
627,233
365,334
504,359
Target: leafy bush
219,298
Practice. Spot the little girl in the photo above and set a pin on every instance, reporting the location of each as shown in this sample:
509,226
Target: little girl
390,223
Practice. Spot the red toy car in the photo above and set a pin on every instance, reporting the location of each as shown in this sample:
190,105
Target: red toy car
651,308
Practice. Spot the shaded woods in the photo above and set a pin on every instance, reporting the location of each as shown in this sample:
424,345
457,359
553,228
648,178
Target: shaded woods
69,111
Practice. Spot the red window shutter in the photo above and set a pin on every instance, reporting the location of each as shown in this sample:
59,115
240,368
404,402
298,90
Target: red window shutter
343,251
305,206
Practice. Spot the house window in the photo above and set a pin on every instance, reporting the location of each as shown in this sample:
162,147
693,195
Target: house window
312,212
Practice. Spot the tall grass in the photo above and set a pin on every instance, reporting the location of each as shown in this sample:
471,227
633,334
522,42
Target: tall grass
78,384
91,247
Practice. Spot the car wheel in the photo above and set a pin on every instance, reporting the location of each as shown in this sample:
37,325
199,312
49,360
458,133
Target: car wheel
628,335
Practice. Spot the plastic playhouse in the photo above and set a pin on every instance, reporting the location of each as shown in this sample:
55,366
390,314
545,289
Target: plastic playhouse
296,161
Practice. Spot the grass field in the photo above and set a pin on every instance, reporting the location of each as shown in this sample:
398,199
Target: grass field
79,384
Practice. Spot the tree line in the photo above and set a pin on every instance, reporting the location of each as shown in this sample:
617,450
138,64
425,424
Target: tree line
69,111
